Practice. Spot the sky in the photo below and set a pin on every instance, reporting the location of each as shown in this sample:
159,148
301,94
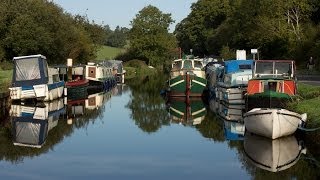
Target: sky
121,12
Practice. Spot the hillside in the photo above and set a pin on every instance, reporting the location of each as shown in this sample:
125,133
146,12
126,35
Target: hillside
107,52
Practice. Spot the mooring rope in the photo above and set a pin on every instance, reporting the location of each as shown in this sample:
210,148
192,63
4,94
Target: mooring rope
303,128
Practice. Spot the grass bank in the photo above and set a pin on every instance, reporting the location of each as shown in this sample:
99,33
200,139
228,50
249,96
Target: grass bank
107,53
5,80
308,102
137,68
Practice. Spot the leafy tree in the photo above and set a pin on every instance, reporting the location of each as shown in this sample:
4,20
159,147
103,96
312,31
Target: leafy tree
149,37
196,30
118,38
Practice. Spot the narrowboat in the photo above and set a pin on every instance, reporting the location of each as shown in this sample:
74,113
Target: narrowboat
234,82
117,70
100,75
77,84
33,79
187,78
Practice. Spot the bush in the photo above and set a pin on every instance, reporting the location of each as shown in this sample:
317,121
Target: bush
135,63
6,65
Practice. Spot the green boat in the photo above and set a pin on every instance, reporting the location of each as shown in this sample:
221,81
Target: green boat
187,78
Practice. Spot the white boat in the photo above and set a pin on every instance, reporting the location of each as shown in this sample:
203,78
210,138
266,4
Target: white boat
272,155
273,123
100,75
117,68
33,79
31,124
235,79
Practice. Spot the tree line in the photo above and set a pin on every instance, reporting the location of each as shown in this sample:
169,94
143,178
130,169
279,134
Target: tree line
278,29
42,27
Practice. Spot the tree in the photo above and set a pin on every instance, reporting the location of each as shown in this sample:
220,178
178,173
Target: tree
196,30
149,37
118,38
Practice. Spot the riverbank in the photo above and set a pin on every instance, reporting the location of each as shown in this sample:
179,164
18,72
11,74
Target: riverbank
5,80
308,102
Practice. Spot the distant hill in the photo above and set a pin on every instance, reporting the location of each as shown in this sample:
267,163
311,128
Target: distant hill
107,52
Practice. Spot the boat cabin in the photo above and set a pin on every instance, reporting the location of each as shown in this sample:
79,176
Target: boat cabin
274,68
30,70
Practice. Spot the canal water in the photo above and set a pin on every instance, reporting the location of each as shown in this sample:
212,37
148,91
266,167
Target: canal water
131,132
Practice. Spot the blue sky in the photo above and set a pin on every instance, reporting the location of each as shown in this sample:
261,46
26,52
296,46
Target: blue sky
121,12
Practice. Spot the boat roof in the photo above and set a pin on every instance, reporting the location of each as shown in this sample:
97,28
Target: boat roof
235,65
30,56
278,60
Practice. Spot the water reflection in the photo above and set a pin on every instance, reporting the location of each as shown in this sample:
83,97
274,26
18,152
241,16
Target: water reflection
233,130
273,155
186,112
146,105
31,124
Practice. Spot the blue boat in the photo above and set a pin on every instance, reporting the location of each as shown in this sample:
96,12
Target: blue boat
233,86
33,79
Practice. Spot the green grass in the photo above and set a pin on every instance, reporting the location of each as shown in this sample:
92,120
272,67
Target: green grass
308,91
107,53
5,79
137,68
308,102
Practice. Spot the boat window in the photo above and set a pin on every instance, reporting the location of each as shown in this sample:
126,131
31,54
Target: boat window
264,68
45,68
270,86
244,66
197,64
176,65
27,69
283,68
187,64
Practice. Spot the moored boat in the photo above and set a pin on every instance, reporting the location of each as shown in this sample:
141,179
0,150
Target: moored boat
100,75
273,123
187,78
273,84
234,82
33,79
77,85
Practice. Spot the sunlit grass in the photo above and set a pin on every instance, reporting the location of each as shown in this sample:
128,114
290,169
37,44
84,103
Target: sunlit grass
107,53
5,79
309,102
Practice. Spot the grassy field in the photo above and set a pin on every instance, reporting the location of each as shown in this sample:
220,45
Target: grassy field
107,53
5,79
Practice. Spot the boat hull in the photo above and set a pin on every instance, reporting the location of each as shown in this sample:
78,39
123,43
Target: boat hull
187,85
77,89
42,92
272,123
232,95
